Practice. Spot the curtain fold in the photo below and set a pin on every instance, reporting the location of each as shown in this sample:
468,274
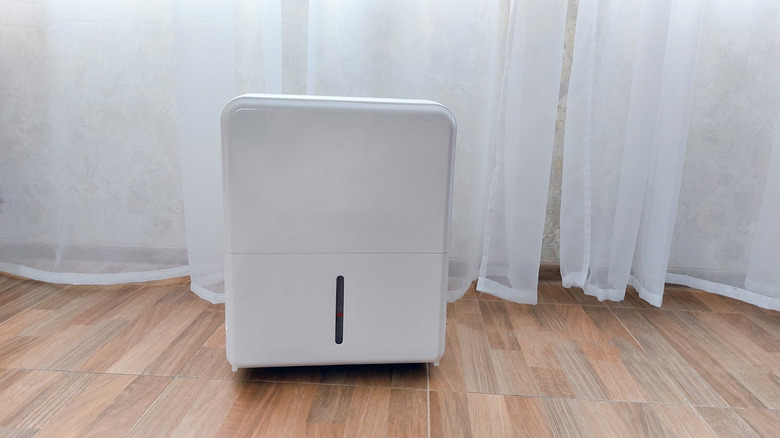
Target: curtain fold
652,101
111,118
526,126
110,167
90,190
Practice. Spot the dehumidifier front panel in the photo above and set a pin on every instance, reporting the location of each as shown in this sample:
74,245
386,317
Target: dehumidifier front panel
358,178
319,309
337,219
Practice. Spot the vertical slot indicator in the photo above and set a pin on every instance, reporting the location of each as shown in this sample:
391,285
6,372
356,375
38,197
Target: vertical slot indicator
339,309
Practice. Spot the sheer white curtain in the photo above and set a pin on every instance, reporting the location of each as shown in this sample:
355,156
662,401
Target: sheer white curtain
486,61
101,99
671,149
90,188
524,139
109,132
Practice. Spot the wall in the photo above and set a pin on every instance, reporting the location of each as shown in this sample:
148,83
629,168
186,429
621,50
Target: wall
550,250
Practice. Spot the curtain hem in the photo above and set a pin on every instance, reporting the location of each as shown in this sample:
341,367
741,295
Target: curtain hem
505,292
725,290
210,296
93,279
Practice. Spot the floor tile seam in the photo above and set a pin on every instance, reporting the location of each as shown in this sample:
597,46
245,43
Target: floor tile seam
687,403
661,309
645,402
685,361
184,367
108,373
428,395
537,304
149,407
230,379
172,378
627,331
742,408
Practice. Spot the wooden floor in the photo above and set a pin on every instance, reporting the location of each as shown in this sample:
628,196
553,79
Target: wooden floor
149,360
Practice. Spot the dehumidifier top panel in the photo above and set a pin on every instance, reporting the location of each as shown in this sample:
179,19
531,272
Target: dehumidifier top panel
334,175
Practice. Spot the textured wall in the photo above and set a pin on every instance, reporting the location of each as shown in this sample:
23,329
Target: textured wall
88,143
550,251
90,123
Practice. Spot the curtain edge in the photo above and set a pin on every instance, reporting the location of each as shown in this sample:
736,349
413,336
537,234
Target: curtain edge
763,301
93,279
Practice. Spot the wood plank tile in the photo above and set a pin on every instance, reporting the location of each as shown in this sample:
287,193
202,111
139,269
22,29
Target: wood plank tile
683,298
448,375
369,413
143,353
186,404
527,417
670,355
474,415
16,348
512,373
145,314
569,365
23,296
449,414
552,293
88,343
179,352
43,354
128,406
498,325
491,415
14,326
722,340
251,408
581,374
488,415
60,390
73,418
19,392
764,421
61,318
721,304
682,421
565,417
7,282
656,385
725,422
619,382
10,377
699,348
618,420
278,409
761,382
106,303
478,371
330,405
770,323
407,413
468,415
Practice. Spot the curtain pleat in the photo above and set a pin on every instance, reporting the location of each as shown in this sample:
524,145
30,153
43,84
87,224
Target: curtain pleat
110,166
526,126
649,107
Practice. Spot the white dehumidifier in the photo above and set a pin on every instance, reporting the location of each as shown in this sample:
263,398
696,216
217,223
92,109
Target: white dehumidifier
337,229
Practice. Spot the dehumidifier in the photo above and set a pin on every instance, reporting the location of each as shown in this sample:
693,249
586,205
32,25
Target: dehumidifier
337,229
